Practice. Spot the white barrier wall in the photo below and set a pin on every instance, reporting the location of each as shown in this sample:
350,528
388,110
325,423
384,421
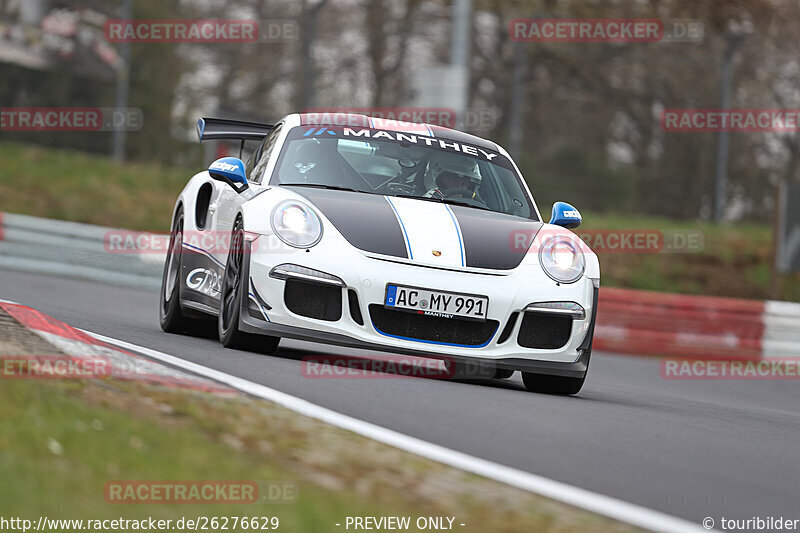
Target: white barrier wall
781,329
71,249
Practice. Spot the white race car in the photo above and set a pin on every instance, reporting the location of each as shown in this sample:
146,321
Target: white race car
408,238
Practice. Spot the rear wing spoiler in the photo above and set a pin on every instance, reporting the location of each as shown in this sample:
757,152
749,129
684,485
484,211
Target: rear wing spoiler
221,129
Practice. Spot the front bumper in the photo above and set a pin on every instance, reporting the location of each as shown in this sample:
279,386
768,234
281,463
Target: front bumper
509,292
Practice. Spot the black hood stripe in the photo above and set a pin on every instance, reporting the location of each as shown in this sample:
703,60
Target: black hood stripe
367,221
489,238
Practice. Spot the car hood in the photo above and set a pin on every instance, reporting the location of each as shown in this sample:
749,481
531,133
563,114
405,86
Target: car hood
425,232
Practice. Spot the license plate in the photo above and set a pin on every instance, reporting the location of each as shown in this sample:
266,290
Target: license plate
436,303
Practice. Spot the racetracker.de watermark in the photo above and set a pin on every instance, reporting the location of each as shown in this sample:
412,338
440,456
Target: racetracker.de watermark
200,492
776,368
391,117
637,241
125,242
387,366
54,367
201,31
74,119
375,367
739,120
606,30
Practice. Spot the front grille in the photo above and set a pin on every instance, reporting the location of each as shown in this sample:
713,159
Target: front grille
544,331
313,300
430,328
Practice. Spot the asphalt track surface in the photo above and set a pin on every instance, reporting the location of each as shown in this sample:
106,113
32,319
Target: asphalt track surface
692,449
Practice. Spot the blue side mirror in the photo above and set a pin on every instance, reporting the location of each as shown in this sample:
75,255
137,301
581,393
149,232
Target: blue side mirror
231,171
565,215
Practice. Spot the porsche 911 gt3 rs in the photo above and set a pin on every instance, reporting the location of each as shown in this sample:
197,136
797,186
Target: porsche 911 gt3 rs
408,238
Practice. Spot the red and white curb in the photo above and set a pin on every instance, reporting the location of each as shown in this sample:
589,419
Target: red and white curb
655,323
123,364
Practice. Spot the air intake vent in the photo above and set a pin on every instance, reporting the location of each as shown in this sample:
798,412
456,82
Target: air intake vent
313,300
415,326
544,331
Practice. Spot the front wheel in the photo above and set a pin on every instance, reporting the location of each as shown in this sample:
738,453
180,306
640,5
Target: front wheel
233,292
552,384
170,314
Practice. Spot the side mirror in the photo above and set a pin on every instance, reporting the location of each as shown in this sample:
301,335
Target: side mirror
231,171
565,215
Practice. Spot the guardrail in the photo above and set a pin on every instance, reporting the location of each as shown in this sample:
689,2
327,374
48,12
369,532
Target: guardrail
628,321
71,249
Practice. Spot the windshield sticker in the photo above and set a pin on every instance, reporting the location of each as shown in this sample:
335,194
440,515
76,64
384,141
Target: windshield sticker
420,139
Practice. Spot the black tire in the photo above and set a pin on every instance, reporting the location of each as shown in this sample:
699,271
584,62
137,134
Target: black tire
170,314
545,384
231,302
502,373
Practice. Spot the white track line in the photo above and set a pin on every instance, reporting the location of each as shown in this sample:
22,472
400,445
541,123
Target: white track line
584,499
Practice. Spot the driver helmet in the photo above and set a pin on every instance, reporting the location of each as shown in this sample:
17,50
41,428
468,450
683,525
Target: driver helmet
446,169
310,155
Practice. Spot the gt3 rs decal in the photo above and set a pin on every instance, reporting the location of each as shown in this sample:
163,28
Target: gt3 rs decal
201,278
205,281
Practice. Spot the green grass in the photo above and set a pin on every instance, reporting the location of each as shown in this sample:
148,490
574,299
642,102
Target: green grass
734,260
74,186
61,442
57,454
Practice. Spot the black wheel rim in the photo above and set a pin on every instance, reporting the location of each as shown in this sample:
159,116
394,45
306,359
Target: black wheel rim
230,294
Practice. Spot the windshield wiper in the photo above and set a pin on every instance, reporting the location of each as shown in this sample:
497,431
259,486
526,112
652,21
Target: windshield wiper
451,201
455,201
321,186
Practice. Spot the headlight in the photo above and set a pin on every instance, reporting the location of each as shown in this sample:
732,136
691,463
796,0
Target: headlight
296,224
562,260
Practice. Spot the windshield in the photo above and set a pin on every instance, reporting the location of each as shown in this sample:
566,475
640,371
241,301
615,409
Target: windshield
402,164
